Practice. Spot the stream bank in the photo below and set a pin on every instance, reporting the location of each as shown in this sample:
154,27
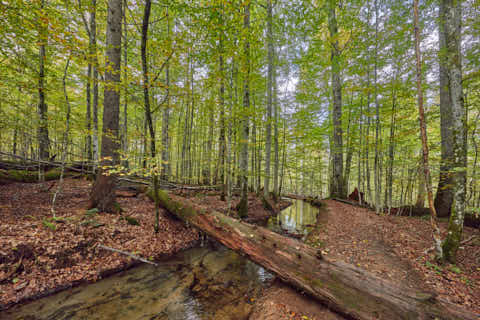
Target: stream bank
40,256
211,282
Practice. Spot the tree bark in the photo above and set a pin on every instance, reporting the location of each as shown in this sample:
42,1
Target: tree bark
451,26
338,189
344,288
148,112
103,191
244,127
43,140
391,149
93,52
270,71
444,195
125,80
221,139
376,169
276,164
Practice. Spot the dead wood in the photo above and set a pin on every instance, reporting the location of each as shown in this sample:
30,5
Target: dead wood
344,288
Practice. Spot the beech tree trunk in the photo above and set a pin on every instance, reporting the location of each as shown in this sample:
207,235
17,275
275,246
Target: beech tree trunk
43,140
221,138
93,52
166,167
344,288
125,80
103,191
450,17
244,127
338,189
376,169
268,127
444,195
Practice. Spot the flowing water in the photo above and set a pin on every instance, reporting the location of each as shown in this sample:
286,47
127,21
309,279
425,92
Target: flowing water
211,282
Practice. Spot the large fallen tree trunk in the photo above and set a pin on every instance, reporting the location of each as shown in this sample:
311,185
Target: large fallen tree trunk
344,288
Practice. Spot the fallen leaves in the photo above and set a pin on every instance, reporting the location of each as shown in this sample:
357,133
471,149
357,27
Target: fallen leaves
393,248
67,255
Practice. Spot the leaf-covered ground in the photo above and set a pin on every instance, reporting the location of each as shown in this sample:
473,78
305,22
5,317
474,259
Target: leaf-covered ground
44,260
49,260
393,247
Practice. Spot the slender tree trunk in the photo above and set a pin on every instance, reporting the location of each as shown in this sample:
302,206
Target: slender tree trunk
148,113
377,180
88,114
229,174
166,165
348,161
190,127
391,151
183,171
359,165
93,52
473,179
221,139
338,188
284,157
423,132
270,72
243,205
43,140
276,164
367,141
103,191
208,161
125,80
450,19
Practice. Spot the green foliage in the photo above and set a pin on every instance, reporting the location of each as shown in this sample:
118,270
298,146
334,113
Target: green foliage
91,212
131,220
433,266
455,269
49,225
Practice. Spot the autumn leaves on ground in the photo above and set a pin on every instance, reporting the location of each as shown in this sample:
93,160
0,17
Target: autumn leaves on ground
39,255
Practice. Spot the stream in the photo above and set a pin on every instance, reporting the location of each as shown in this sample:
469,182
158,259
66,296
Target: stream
210,282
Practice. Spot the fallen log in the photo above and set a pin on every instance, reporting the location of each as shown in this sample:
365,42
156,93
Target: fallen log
344,288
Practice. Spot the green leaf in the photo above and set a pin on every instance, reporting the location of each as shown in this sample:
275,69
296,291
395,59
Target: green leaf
455,269
49,225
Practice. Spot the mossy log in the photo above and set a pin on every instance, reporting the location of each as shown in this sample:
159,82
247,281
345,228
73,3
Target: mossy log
9,176
344,288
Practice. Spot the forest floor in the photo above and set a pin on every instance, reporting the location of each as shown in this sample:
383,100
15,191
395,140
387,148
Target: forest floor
45,260
40,255
393,248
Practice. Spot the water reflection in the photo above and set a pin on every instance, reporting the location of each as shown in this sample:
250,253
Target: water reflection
299,218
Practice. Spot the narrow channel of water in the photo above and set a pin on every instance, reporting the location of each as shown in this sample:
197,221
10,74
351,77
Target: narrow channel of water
212,282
